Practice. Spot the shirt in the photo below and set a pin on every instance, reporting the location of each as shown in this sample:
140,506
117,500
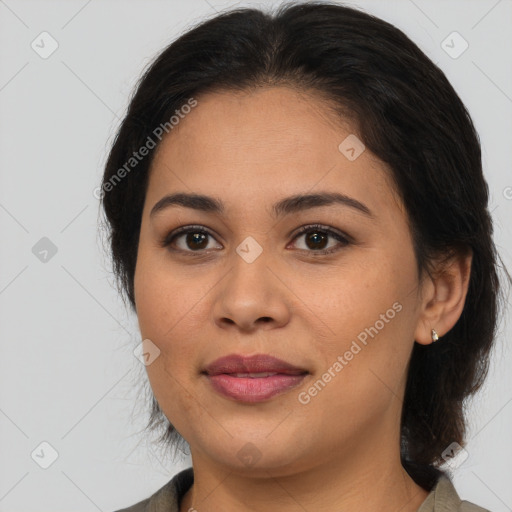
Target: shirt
442,498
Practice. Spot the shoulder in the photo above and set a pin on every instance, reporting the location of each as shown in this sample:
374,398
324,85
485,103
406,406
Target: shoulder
141,506
444,498
466,506
167,498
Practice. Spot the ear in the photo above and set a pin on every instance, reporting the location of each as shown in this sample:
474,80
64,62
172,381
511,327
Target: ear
443,297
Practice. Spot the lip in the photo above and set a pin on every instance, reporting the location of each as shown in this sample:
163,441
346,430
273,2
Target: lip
228,376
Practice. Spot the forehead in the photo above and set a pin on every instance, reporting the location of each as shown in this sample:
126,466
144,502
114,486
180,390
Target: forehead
268,142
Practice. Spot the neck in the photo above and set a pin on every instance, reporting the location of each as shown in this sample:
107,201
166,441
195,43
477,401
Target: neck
369,478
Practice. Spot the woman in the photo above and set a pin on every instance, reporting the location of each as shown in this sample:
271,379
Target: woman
299,220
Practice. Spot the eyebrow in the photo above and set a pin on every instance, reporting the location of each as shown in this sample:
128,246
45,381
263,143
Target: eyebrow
287,206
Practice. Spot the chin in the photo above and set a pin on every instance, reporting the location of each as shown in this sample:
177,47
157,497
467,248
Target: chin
251,453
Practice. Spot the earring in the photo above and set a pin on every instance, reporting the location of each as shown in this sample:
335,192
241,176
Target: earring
434,335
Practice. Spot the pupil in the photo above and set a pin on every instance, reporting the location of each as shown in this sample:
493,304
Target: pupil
315,238
196,239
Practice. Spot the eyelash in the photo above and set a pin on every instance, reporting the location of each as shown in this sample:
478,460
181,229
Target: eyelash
344,239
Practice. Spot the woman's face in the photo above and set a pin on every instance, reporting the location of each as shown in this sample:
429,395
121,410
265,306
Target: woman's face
249,283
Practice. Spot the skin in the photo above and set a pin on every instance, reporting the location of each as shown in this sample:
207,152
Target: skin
340,451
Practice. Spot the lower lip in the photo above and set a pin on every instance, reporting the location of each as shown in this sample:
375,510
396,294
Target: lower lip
258,389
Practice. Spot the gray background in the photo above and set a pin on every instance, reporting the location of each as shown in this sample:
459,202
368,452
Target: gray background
67,369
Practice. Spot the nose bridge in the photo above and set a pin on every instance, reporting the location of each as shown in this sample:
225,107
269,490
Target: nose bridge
250,264
251,291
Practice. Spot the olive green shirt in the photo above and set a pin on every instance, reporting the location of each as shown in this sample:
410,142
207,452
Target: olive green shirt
442,498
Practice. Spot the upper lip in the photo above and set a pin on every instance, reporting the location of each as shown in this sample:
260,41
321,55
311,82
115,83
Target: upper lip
259,363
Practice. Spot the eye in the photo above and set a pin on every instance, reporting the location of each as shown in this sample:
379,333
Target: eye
316,239
193,239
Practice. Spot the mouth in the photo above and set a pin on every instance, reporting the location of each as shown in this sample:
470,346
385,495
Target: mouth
252,379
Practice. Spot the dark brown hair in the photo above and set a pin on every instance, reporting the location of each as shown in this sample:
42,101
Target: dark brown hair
406,112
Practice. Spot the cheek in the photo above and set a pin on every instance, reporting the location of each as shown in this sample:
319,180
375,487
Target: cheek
164,297
171,392
366,315
363,372
350,297
171,310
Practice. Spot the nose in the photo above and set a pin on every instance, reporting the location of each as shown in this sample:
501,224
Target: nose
252,296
